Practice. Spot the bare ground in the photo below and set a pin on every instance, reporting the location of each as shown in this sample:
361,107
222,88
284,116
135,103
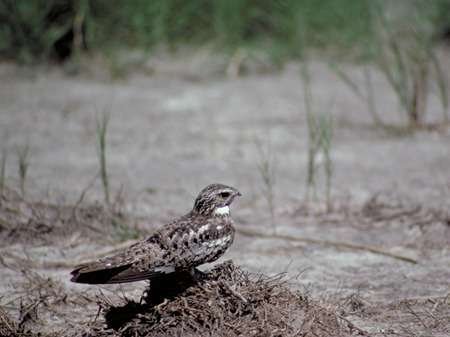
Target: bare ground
377,262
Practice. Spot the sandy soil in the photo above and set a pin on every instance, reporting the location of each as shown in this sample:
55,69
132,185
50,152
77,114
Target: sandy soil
184,127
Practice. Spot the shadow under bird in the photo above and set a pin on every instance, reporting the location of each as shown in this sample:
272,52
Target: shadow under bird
200,236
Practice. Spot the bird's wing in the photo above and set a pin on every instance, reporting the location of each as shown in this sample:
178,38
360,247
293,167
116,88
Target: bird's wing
140,261
182,244
199,240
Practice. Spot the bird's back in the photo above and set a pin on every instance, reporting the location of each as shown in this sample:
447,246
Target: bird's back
180,245
199,240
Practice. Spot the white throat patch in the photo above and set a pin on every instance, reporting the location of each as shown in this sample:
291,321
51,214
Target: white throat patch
225,210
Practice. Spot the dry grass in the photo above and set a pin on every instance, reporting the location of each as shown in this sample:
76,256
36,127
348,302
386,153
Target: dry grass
40,223
267,171
8,327
102,129
227,301
2,171
23,163
40,301
320,141
405,54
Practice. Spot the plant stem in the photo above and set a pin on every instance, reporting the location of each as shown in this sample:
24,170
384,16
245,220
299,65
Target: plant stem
102,128
22,154
3,172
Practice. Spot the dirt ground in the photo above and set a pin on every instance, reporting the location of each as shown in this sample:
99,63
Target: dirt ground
379,260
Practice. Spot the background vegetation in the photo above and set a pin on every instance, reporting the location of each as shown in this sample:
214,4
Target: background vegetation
58,29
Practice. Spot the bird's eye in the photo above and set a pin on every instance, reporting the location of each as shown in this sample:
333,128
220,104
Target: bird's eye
225,194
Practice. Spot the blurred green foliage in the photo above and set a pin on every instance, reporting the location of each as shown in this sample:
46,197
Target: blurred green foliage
25,31
41,29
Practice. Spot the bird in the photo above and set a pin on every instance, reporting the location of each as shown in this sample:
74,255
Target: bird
200,236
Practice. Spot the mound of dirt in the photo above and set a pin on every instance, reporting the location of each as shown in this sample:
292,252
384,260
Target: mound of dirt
226,301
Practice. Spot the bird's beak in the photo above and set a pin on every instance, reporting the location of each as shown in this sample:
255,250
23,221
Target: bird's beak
235,193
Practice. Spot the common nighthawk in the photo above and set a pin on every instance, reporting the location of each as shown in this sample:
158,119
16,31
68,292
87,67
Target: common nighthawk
200,236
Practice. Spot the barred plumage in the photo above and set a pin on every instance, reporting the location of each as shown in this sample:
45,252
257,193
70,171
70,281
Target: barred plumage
200,236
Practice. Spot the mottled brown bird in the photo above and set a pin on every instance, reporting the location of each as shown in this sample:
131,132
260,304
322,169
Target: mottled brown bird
200,236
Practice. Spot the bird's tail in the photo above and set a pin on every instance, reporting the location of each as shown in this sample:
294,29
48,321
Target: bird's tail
84,274
92,274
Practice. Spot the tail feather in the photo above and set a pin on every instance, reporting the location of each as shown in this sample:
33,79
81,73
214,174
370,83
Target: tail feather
100,276
120,274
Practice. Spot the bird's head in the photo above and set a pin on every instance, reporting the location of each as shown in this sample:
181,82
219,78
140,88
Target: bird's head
215,199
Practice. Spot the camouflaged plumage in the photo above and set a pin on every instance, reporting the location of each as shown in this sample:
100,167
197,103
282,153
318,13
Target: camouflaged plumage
200,236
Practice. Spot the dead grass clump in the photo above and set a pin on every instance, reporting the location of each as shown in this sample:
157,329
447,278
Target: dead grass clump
35,300
7,326
354,303
427,315
430,223
227,301
39,223
421,316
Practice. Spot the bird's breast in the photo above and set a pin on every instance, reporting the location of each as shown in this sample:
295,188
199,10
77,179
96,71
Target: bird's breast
211,240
